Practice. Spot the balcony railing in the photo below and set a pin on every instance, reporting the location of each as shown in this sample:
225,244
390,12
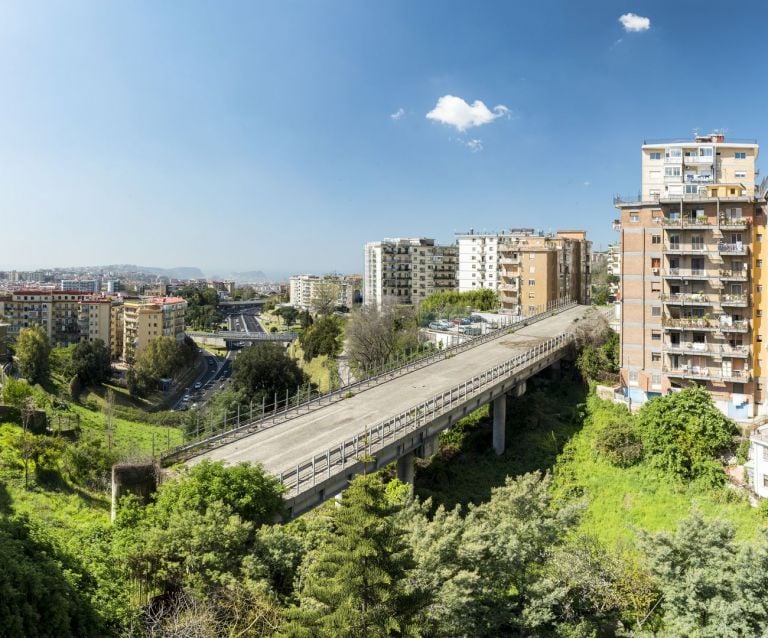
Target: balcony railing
690,222
738,275
734,222
735,326
691,273
688,248
734,300
735,249
694,299
706,349
709,374
690,323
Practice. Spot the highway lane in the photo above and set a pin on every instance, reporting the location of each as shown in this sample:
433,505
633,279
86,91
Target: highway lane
280,447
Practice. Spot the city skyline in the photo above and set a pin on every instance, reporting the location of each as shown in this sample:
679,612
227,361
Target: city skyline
283,139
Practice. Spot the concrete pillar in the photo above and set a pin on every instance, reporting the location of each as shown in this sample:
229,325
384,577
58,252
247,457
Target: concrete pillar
520,389
137,478
430,446
405,468
499,423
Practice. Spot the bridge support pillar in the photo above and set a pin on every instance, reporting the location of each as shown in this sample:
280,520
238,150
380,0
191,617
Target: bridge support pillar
430,446
499,423
405,468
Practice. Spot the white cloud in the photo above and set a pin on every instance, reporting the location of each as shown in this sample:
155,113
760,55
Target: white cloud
633,22
454,111
397,114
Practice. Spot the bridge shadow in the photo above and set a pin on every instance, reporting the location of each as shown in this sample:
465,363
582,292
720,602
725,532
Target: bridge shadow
539,424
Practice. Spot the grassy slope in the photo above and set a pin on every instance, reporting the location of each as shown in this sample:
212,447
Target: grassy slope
618,501
317,369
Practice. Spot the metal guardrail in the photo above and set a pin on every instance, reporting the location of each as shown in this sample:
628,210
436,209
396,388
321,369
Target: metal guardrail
375,437
289,412
246,336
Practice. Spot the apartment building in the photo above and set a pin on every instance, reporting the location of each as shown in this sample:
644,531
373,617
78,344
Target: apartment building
304,289
479,260
691,274
538,269
80,285
405,271
3,343
147,318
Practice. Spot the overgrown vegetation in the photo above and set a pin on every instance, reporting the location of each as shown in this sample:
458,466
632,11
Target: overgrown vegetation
202,307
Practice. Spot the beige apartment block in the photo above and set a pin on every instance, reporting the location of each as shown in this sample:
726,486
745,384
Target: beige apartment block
305,289
147,318
691,274
405,271
539,270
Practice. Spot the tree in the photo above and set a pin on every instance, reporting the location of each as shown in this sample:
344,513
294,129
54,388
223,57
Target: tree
91,361
709,586
598,360
452,303
373,335
326,297
322,338
16,392
263,370
202,307
288,314
683,433
355,583
32,350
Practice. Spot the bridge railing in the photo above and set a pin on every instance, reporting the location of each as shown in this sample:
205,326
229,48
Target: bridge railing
378,435
305,401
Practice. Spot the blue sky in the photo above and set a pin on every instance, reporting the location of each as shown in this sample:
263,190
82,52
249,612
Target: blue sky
259,135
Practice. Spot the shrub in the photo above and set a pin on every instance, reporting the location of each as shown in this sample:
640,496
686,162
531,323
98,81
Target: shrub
618,442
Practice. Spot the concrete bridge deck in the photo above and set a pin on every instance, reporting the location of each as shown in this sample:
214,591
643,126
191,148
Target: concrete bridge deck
280,448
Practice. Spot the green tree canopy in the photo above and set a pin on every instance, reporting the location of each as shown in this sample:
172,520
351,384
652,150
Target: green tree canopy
454,303
355,583
32,350
683,433
265,369
91,361
322,338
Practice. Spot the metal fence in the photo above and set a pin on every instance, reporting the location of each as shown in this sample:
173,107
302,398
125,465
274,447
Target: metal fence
249,419
375,437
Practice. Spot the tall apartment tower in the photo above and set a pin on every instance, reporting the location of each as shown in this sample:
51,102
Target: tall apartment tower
691,274
405,271
479,260
540,269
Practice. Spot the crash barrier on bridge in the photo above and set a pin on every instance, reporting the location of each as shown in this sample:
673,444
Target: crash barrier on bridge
228,335
375,437
233,428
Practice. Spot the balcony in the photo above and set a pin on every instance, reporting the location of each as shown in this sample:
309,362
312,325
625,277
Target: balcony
734,223
690,222
732,249
707,349
687,273
509,261
699,160
508,288
684,249
709,374
682,298
741,325
739,301
733,275
689,323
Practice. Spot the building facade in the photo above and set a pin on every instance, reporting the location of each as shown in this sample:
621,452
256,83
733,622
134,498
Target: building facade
539,269
479,265
147,318
80,285
691,274
405,271
304,289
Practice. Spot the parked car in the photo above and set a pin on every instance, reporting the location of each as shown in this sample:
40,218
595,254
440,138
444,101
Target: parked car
198,385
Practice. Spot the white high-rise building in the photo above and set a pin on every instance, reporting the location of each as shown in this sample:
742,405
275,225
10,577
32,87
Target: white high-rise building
479,260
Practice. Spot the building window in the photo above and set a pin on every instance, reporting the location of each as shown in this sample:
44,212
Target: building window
655,286
656,357
674,152
655,335
759,288
740,174
531,295
531,282
531,256
655,311
759,313
655,379
532,269
633,376
655,156
634,217
759,263
655,239
672,171
740,155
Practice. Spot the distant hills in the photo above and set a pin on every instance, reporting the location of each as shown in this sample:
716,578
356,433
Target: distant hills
180,272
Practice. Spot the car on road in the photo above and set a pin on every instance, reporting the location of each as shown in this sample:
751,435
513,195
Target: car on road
198,385
185,398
